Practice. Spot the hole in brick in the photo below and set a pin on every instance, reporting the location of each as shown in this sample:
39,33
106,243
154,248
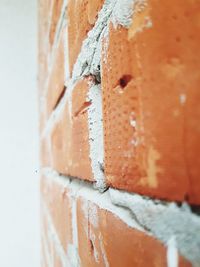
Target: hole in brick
195,209
60,97
186,14
174,17
186,197
191,37
82,109
124,80
178,39
91,245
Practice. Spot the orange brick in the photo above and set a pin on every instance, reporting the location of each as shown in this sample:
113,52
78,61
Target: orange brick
44,10
150,80
93,8
45,156
96,234
57,78
81,17
56,14
57,260
49,253
46,241
105,240
51,70
54,88
58,204
81,163
70,136
60,139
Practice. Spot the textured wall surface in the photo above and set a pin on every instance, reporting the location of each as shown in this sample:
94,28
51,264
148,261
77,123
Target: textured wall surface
119,132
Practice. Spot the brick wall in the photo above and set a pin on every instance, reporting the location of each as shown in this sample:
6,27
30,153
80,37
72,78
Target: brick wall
119,132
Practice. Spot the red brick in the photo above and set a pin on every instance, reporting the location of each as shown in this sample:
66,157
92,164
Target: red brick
150,81
114,242
81,16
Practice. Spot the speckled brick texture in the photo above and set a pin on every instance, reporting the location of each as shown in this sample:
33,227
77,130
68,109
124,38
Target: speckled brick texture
150,81
118,89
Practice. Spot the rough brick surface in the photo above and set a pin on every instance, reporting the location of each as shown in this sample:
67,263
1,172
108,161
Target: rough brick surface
101,237
81,16
58,203
150,84
43,48
56,12
65,146
56,81
119,133
51,56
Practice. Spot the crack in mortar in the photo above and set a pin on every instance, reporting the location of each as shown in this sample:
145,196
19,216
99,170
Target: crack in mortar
163,220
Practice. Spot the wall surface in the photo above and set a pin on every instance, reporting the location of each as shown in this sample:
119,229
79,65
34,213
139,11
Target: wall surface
119,132
19,200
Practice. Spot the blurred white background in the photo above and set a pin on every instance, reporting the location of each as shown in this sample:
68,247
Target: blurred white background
19,197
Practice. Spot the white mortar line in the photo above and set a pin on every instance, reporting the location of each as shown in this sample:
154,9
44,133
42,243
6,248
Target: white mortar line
54,236
47,255
54,117
95,126
164,220
84,189
73,248
172,252
155,218
106,263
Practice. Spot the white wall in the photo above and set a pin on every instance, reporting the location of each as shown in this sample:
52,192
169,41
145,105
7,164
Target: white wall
19,200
